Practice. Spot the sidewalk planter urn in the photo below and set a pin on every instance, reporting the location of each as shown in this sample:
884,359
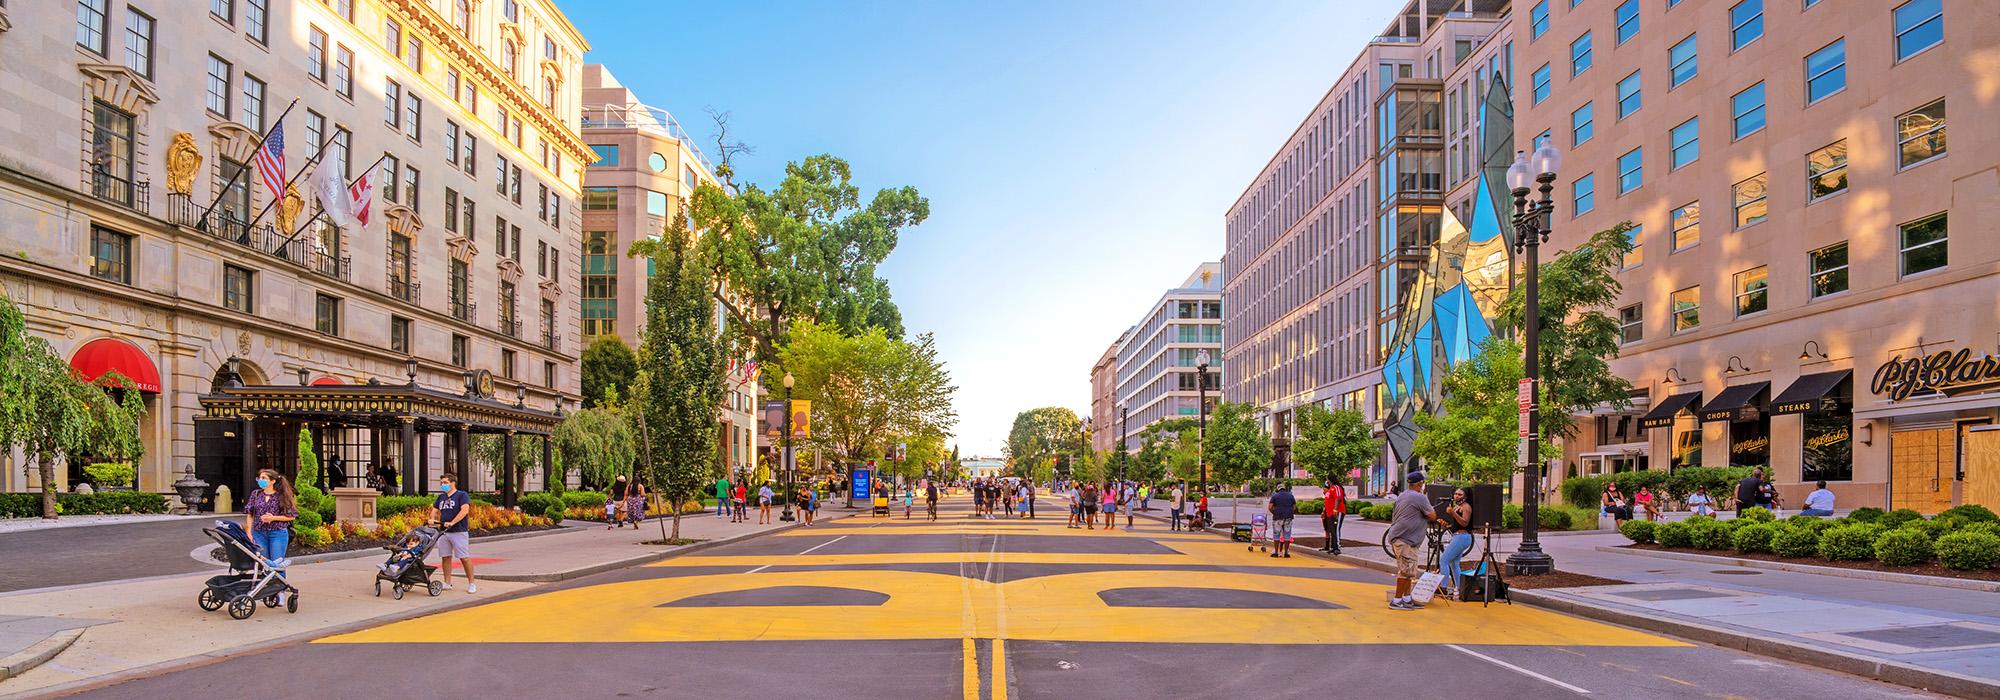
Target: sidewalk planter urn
355,505
191,491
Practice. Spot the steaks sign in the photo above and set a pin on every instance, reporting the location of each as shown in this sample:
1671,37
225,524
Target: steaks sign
1947,372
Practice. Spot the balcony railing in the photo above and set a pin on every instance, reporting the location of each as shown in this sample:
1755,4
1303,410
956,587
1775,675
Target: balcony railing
510,326
136,196
551,339
406,290
464,309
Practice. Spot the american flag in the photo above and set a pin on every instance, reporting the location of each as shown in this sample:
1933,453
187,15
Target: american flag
271,160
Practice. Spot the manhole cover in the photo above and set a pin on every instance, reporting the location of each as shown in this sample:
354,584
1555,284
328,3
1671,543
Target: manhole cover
1930,636
1660,594
1737,572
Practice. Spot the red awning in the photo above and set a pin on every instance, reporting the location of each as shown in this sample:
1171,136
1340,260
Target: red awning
326,381
104,355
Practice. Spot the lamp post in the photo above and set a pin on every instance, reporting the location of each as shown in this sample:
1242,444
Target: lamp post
1531,229
1124,426
791,467
1201,417
1082,448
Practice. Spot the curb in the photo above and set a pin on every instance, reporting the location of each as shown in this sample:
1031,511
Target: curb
200,660
377,551
38,653
1933,680
638,560
1863,574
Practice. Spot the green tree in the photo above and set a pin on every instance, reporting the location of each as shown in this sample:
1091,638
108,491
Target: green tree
1579,338
807,250
1047,435
608,364
489,451
1332,444
1237,450
1475,437
53,414
868,390
308,460
597,443
683,364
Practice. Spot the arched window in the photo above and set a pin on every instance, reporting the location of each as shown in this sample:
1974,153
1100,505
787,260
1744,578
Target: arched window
549,93
461,17
508,55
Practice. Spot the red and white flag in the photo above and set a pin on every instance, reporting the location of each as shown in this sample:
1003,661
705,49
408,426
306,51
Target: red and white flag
360,196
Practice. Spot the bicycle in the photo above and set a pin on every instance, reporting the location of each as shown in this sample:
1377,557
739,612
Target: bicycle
1434,541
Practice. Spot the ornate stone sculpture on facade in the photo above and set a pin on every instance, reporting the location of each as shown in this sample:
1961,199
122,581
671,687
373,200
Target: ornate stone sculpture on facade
183,160
288,210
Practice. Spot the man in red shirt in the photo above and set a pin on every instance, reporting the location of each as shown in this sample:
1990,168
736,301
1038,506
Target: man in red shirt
1332,514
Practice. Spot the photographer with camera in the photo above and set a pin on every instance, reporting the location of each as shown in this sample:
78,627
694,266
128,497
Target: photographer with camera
1407,523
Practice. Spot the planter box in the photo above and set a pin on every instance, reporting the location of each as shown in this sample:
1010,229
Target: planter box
356,505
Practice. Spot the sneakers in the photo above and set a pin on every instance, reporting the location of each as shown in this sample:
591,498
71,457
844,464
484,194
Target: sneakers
471,588
1400,605
447,586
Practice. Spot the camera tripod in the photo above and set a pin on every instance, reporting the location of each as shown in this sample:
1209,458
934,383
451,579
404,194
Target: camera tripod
1489,570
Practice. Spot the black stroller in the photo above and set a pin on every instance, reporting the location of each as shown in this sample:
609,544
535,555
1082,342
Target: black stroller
251,578
405,568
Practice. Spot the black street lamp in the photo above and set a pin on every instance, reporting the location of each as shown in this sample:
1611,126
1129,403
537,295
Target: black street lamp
1531,229
1124,426
1082,448
1201,417
791,467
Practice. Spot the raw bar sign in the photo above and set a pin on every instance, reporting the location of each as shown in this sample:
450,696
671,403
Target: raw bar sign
1947,372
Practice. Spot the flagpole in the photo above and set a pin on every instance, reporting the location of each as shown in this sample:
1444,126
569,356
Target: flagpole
350,183
201,224
294,177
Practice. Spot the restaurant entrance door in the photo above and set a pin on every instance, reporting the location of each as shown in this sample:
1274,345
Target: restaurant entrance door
1922,466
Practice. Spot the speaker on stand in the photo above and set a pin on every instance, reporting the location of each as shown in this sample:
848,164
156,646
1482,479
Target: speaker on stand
1488,511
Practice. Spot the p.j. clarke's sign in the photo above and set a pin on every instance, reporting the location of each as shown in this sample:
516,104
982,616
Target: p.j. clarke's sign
1947,372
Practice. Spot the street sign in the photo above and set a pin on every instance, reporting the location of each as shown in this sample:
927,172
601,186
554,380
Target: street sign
1521,452
1524,421
801,419
1524,394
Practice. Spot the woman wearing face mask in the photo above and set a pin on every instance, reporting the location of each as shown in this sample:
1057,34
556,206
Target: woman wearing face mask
269,511
1457,520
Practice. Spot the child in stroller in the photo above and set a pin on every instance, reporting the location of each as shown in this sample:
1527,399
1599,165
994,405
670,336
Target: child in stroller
405,569
251,578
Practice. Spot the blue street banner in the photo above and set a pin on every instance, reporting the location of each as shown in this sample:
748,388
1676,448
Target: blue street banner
862,479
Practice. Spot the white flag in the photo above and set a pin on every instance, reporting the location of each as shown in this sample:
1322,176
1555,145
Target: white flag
331,189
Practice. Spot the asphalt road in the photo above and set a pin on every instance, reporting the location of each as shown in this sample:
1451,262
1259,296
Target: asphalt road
974,608
67,556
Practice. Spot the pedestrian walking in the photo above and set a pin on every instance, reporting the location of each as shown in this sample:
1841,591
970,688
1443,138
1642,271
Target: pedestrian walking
635,503
909,499
1407,523
1075,495
737,496
1131,496
931,498
1179,505
615,503
764,495
722,497
1332,514
1145,496
1088,498
1282,507
1028,497
1110,495
269,512
451,513
809,504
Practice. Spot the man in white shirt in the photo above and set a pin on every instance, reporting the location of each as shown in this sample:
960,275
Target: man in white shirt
1819,503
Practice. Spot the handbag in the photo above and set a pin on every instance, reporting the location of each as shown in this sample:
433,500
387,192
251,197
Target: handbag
1427,587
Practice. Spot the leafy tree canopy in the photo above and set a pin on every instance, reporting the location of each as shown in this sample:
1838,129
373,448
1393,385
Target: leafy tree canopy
1238,449
1579,335
870,391
1476,437
608,365
1041,435
1332,444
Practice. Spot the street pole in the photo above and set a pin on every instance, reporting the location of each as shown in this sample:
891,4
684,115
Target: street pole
791,465
1201,418
1124,426
1531,228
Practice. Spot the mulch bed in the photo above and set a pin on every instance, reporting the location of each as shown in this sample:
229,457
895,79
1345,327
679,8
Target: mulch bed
1560,579
674,542
1931,569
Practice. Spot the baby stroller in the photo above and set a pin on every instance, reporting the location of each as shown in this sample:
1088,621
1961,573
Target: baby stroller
251,577
1259,525
405,569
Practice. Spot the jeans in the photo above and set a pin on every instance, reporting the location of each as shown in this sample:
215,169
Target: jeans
1177,517
1817,512
272,543
1453,554
722,507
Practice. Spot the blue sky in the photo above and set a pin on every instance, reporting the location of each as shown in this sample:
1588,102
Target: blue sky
1078,156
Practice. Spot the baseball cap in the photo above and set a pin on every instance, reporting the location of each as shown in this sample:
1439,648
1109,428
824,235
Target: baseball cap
1413,477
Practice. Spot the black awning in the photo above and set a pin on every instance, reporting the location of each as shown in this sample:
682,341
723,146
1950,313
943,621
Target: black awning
1809,393
1663,413
1735,403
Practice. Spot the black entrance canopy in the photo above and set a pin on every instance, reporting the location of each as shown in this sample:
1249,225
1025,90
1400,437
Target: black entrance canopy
1811,392
1663,414
1735,403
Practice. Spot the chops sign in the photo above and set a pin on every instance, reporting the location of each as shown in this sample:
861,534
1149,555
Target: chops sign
1946,372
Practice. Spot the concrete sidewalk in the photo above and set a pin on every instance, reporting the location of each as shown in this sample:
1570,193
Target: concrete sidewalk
152,624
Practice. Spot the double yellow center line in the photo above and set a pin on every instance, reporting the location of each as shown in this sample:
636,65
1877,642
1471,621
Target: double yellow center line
999,670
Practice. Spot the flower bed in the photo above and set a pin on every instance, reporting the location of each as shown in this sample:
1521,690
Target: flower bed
1963,542
309,536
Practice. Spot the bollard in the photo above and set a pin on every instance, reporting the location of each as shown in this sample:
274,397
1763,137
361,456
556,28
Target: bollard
223,501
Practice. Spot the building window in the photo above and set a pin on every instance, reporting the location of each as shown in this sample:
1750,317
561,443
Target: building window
315,132
1686,140
392,102
1629,97
548,48
316,53
1923,245
506,363
600,198
451,210
1687,309
256,20
1753,290
511,10
224,10
1686,60
219,72
600,284
607,155
1687,225
1580,124
1746,111
470,154
1631,324
1627,20
341,138
451,142
1579,55
549,93
510,322
548,374
399,335
1631,170
253,103
1541,83
549,324
1750,204
344,8
1538,20
514,182
234,204
401,268
460,290
343,71
1826,171
1637,255
413,54
1826,71
392,37
413,118
1585,194
461,18
111,255
1919,26
1829,269
1920,134
90,16
509,59
238,289
471,214
111,153
410,189
139,42
326,314
461,350
1746,23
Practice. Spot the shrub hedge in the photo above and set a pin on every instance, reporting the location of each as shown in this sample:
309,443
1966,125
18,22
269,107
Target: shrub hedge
1903,547
1638,531
1710,534
1897,517
1589,490
1797,542
1757,514
1968,551
1971,513
1866,515
1679,533
1754,538
1311,506
1849,542
29,505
